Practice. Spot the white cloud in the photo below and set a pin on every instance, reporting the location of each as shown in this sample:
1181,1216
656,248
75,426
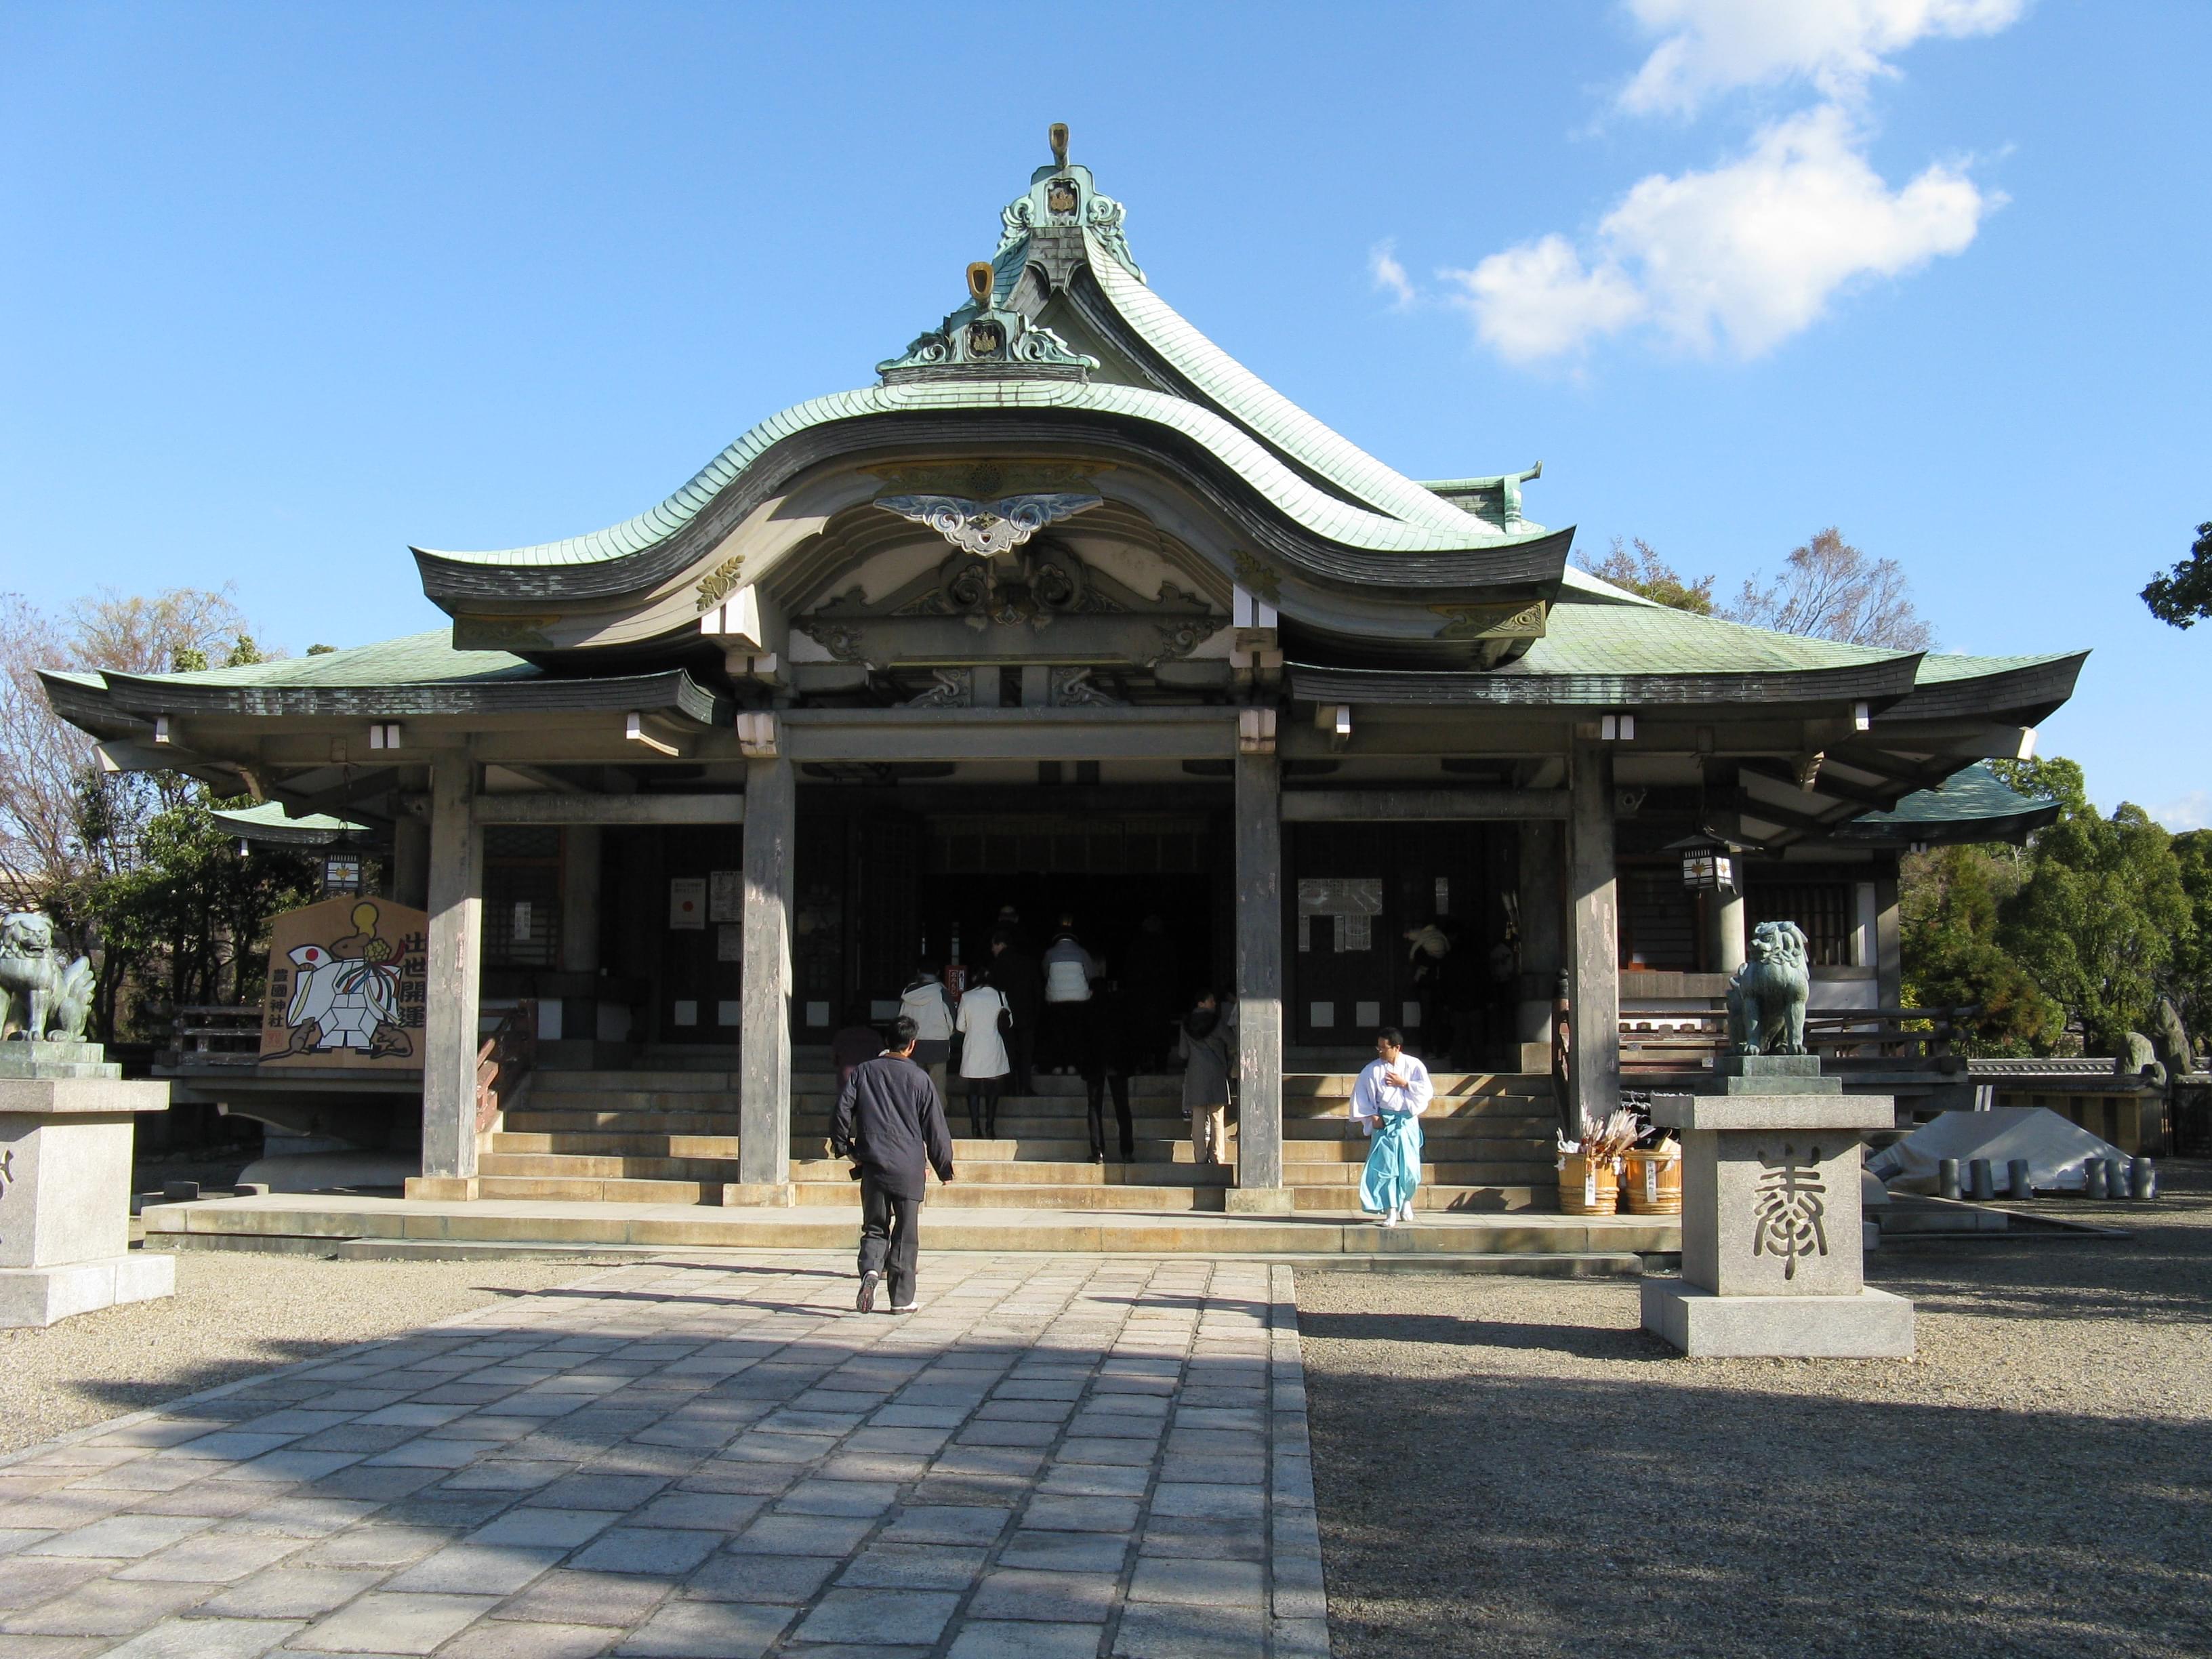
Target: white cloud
1389,276
1538,301
2192,811
1711,46
1747,253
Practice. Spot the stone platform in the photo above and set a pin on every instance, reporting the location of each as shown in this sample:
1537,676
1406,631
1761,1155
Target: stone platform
1522,1241
1051,1458
66,1134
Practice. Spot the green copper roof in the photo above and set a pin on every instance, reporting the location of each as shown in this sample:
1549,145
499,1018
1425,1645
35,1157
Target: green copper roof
412,660
1969,795
1244,423
270,821
1439,528
1590,635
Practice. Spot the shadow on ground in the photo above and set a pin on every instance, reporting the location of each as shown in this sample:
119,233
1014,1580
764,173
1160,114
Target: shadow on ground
1512,1467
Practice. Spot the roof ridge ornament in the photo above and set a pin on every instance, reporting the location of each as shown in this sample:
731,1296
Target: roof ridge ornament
984,340
1063,205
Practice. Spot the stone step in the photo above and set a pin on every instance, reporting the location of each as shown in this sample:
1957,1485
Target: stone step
323,1223
1060,1147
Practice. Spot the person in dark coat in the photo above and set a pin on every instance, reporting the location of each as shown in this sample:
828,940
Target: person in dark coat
1021,981
1151,979
1107,1059
891,1122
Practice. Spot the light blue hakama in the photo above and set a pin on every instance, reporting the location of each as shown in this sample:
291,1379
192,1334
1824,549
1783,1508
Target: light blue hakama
1393,1173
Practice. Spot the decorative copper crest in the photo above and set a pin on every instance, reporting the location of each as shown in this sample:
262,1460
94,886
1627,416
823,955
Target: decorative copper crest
719,583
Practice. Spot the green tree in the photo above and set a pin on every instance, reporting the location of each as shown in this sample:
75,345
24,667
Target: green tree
186,923
2184,595
1638,568
2100,914
2190,976
1949,902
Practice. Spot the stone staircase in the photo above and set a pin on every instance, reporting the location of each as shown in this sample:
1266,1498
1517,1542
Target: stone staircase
669,1135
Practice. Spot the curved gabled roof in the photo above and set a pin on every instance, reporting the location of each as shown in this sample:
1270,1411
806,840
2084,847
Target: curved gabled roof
1323,487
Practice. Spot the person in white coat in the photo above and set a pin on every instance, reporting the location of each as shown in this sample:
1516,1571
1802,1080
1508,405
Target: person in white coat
984,1021
1068,971
929,1005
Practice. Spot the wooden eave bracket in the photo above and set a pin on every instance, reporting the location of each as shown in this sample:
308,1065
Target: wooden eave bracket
649,733
1255,731
758,735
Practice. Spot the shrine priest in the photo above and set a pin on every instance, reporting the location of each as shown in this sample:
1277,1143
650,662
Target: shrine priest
891,1122
1388,1102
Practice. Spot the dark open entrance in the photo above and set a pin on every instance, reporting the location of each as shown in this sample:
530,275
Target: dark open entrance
882,885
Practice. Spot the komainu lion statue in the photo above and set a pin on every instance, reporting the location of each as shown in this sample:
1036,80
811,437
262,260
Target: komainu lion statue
1766,998
40,997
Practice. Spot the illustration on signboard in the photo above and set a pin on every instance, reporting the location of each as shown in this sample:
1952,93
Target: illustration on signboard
346,985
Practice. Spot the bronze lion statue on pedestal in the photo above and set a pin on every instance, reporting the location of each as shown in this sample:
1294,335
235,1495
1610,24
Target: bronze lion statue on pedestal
1766,998
39,995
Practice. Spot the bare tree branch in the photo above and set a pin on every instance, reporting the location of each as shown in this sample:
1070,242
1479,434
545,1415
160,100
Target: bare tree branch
1830,589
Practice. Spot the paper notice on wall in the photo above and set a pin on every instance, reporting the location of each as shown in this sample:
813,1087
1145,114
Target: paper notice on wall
1329,896
1354,933
725,896
729,942
687,901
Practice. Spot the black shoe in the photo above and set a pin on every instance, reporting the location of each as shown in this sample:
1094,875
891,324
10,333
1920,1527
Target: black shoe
1097,1154
866,1302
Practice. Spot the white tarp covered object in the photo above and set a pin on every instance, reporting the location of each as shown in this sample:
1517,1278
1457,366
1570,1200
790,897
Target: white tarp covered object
2056,1150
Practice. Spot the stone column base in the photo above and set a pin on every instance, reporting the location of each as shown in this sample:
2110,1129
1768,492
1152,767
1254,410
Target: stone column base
1870,1325
445,1188
1258,1200
41,1295
768,1195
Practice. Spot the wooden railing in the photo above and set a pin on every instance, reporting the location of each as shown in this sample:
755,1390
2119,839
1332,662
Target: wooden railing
206,1034
504,1061
1653,1039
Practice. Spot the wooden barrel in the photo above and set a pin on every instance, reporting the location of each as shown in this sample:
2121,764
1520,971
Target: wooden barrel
1653,1182
1587,1188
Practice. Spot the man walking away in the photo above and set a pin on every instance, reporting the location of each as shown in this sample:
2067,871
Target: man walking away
1207,1064
929,1005
891,1122
1388,1102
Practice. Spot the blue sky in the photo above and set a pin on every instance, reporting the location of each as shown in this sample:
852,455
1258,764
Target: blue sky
290,288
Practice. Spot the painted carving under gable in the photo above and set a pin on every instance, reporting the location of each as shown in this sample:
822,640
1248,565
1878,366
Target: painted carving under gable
988,528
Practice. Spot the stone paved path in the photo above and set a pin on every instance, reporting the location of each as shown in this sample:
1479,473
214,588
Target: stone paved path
1055,1457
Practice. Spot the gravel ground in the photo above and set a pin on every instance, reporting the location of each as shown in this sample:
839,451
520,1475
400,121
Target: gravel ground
1510,1466
234,1315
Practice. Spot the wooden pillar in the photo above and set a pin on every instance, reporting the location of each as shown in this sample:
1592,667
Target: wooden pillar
450,1039
764,1028
1728,923
411,860
1596,935
1888,942
1543,889
1259,794
580,928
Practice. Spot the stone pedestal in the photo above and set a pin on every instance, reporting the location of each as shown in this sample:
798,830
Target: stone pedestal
1771,1260
65,1143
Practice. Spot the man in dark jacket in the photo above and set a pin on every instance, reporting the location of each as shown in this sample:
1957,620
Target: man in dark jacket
891,1122
1020,979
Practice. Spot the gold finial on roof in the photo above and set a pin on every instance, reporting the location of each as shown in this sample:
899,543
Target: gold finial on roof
981,280
1058,138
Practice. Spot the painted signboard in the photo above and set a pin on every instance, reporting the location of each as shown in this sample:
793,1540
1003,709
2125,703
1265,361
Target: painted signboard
346,979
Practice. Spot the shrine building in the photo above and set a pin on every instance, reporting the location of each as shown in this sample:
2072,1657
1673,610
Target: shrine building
1065,611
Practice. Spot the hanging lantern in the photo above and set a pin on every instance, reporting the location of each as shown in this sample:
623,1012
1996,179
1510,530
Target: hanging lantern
1708,866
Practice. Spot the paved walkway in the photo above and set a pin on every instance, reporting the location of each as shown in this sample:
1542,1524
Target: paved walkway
1055,1457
